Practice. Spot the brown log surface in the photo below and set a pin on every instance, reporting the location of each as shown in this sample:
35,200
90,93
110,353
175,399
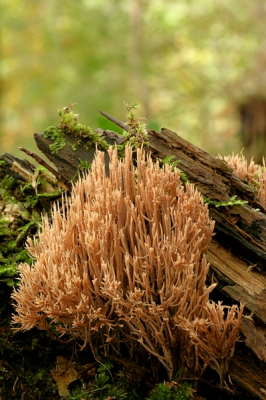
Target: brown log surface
249,376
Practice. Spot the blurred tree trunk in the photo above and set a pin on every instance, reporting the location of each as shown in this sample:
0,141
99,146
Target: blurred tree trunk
253,128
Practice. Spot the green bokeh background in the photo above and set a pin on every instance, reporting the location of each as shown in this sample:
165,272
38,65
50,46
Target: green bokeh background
189,63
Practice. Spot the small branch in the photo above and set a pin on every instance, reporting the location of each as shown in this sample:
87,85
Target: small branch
40,161
47,166
14,386
115,121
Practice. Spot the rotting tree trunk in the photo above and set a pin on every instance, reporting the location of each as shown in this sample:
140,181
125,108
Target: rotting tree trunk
237,254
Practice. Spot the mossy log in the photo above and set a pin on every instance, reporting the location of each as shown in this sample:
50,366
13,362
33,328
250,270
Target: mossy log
237,254
68,160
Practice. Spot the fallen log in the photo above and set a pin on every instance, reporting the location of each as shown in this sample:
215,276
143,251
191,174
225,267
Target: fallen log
237,255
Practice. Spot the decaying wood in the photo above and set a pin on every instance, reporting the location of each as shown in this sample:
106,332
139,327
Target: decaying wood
7,169
255,338
42,162
68,160
118,139
121,125
216,181
237,254
249,376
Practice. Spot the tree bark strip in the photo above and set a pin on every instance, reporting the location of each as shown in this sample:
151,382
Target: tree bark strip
250,376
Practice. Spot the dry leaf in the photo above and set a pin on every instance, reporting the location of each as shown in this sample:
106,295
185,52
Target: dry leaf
64,374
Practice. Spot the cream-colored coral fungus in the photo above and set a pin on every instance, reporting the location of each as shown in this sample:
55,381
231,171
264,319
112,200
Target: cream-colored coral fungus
123,264
253,173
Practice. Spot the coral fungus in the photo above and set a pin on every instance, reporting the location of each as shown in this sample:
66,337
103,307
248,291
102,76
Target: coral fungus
124,262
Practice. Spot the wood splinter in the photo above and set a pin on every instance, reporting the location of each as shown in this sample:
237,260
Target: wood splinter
47,166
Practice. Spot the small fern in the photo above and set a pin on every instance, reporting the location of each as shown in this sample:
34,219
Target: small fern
169,160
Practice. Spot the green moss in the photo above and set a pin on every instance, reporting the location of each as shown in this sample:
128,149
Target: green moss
82,167
22,204
173,163
172,391
31,198
57,136
232,202
7,186
84,135
137,135
11,251
108,383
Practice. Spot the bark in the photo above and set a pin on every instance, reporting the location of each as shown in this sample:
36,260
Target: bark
7,167
67,160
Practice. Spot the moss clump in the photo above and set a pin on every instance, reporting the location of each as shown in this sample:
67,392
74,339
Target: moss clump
82,167
58,138
172,391
233,201
11,252
84,135
21,206
137,135
170,160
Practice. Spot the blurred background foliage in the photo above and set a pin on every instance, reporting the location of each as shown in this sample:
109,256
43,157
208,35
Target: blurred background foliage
196,67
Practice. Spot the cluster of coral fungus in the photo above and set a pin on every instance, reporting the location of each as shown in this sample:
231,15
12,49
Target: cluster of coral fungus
123,264
252,173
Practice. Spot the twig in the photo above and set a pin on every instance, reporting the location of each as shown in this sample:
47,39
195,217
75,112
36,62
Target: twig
44,164
40,161
115,121
14,386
